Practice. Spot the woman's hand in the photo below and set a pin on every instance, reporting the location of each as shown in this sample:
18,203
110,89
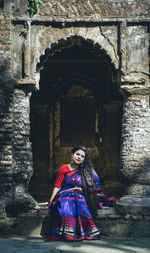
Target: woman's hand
49,203
106,207
55,190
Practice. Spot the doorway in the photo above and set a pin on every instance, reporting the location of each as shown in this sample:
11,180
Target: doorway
78,103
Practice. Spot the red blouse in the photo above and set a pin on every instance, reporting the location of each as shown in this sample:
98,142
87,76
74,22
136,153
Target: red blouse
61,175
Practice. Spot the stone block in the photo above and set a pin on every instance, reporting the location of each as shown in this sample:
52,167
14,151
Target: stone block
126,217
136,217
6,225
106,212
23,203
114,216
133,205
147,217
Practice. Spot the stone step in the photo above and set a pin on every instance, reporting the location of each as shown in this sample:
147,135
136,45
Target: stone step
111,223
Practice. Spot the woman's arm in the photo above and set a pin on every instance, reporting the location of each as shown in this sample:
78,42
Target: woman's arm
55,190
58,183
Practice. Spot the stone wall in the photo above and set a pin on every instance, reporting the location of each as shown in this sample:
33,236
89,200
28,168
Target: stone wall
86,10
22,153
6,104
10,187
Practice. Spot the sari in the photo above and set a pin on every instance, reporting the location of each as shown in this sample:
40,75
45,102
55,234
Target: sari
70,218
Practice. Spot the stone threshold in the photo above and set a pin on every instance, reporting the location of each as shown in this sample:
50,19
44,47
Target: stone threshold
127,219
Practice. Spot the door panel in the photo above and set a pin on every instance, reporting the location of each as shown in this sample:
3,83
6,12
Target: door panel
77,123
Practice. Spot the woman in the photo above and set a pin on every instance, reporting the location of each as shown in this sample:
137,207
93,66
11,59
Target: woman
74,200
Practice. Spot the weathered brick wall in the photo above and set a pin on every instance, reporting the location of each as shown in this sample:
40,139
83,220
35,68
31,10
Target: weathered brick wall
6,89
86,10
22,153
11,189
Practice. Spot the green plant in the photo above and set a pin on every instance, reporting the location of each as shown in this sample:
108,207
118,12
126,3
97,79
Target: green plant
63,24
34,5
24,32
16,18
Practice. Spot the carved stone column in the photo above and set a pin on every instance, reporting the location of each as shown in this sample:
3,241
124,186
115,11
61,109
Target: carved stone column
135,150
22,152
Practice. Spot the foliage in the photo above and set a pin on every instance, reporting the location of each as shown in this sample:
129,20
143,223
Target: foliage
34,5
64,24
24,32
16,18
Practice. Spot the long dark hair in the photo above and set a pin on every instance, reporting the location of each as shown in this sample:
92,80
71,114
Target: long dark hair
88,182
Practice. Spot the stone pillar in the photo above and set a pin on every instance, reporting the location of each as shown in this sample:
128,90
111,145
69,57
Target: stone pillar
22,153
135,151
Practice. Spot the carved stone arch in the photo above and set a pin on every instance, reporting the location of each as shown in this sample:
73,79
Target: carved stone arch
51,41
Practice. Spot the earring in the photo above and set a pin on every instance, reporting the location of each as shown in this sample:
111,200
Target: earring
71,161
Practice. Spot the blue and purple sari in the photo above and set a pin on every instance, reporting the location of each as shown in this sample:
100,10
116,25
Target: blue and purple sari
70,215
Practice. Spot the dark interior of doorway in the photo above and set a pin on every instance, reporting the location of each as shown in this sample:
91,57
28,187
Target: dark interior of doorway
76,63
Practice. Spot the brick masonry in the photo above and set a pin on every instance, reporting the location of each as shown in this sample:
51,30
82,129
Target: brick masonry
86,10
6,102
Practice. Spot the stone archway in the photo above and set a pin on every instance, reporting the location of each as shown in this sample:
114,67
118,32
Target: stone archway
76,70
53,37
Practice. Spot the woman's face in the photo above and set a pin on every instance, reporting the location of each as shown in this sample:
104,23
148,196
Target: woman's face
78,157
